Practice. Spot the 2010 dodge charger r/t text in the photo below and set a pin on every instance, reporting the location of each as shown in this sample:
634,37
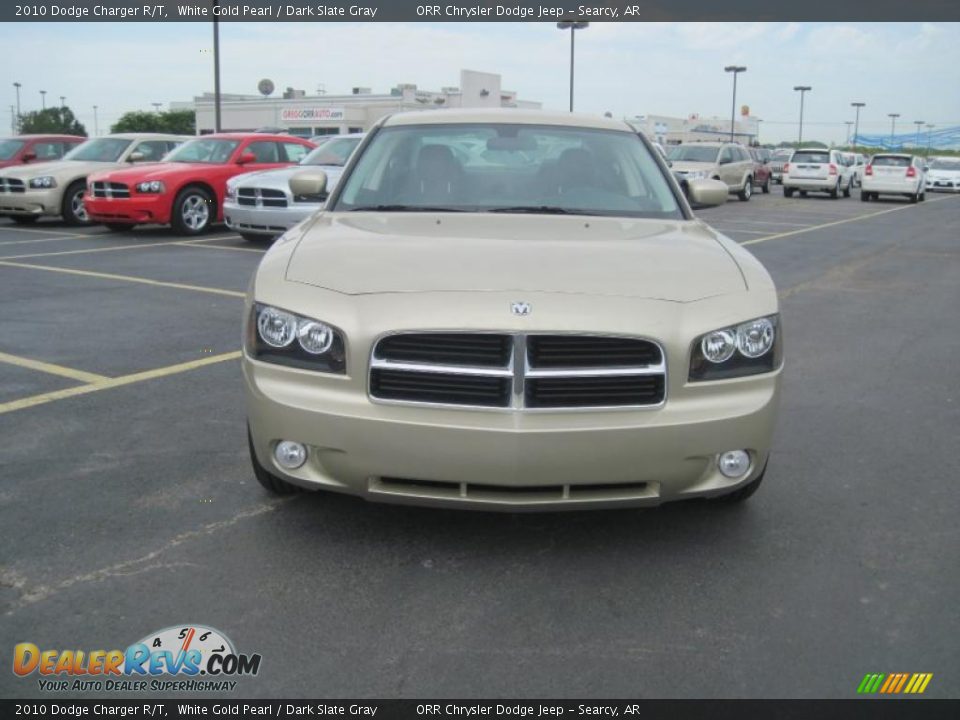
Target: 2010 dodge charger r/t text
510,310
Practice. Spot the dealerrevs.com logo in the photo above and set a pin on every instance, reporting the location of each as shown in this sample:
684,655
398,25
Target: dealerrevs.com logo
188,658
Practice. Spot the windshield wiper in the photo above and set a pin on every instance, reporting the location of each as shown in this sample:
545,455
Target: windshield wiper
403,208
540,210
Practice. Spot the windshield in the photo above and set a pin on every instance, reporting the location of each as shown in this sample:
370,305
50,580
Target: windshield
9,148
946,165
811,156
99,150
332,152
203,150
693,153
499,167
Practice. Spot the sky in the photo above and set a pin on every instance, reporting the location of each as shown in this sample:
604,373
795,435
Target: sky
626,69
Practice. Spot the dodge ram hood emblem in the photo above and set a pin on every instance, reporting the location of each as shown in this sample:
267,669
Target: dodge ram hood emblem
520,308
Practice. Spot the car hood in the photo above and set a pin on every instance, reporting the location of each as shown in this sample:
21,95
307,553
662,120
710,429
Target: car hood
154,171
58,168
944,174
280,178
365,253
688,165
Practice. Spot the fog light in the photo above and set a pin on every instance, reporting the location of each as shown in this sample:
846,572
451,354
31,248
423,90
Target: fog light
734,463
289,454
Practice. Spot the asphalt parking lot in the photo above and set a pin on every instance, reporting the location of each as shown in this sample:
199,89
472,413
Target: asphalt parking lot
128,504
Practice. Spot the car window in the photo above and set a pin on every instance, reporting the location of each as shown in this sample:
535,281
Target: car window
9,148
264,151
500,167
294,152
204,150
811,156
48,150
99,150
333,152
891,161
726,155
152,150
693,153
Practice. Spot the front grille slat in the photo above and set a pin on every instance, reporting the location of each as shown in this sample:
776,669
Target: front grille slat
264,197
519,371
114,190
12,185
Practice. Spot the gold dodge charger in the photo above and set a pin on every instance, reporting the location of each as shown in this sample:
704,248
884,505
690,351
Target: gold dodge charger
513,310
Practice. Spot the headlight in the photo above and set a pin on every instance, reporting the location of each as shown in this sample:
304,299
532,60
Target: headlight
43,182
277,336
698,175
749,348
151,186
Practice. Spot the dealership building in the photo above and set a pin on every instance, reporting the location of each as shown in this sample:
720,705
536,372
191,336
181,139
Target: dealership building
673,130
321,114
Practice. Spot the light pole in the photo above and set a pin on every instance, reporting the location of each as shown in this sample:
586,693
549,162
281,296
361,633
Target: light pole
929,130
216,67
848,123
156,107
96,126
18,86
43,99
856,124
573,26
893,126
736,70
803,89
63,101
918,123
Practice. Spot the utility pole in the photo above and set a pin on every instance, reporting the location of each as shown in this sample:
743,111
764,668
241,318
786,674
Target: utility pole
893,126
803,89
96,126
19,119
856,124
736,70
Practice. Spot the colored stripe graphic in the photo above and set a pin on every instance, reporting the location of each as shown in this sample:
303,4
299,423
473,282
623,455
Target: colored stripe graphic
894,683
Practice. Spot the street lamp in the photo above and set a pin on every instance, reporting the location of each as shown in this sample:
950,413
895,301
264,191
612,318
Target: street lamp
18,86
573,26
848,123
156,107
735,69
96,126
63,101
43,99
930,127
803,89
893,126
918,123
856,124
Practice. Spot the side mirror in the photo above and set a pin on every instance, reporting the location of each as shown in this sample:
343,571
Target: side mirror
28,157
705,192
309,183
136,157
247,157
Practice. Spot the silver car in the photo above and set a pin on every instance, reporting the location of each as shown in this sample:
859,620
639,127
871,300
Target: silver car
261,205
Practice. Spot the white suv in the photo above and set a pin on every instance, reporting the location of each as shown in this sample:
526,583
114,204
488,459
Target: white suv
813,170
894,174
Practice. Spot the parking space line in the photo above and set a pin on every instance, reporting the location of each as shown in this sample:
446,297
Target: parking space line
124,278
735,231
187,243
108,383
47,239
791,233
17,228
109,248
51,368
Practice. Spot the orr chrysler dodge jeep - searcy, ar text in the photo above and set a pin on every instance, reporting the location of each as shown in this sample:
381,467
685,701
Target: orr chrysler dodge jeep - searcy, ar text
510,309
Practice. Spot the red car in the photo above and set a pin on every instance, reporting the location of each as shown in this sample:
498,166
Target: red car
36,148
186,189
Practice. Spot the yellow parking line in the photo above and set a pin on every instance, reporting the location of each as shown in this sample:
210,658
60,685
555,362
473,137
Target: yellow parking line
51,368
109,248
108,383
219,247
123,278
791,233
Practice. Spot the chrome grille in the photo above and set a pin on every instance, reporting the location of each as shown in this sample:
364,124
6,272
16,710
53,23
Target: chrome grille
261,197
518,371
12,185
110,190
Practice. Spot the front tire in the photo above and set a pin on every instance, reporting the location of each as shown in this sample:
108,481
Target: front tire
194,211
846,190
747,191
765,188
271,483
71,207
788,192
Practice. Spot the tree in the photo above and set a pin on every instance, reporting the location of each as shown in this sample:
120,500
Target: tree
52,120
177,122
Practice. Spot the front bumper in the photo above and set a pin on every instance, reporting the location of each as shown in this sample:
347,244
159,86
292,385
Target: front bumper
265,220
943,186
512,459
138,208
32,202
